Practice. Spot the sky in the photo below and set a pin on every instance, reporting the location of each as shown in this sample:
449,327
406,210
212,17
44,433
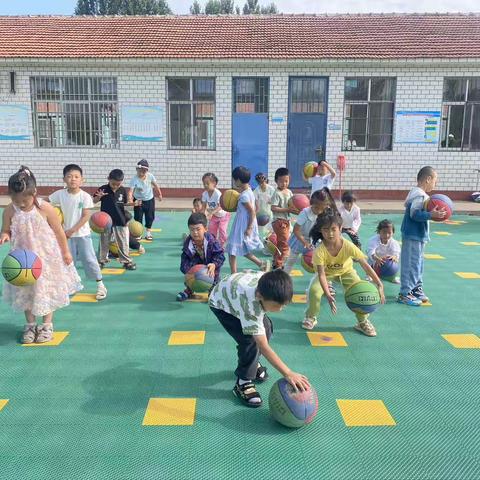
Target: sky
67,7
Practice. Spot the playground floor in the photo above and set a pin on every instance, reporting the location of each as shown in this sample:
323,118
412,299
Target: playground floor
139,385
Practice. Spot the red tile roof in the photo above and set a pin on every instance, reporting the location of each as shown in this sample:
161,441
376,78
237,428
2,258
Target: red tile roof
372,36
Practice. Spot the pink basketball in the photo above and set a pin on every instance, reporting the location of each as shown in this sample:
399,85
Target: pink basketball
299,201
100,222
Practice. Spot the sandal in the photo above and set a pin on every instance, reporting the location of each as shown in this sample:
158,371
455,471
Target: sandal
129,266
309,323
262,374
247,393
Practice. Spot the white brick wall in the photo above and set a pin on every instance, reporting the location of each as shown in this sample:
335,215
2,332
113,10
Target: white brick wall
419,87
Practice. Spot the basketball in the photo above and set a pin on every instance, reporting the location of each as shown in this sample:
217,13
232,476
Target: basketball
299,201
475,197
229,200
388,269
100,222
262,219
307,262
21,267
271,243
135,228
442,202
113,249
362,297
292,408
59,213
198,280
310,169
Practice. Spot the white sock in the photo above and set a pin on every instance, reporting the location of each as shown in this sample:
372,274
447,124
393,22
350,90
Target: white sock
241,381
100,283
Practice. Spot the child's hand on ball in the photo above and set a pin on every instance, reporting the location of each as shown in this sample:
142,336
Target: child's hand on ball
211,269
438,214
4,237
333,305
298,381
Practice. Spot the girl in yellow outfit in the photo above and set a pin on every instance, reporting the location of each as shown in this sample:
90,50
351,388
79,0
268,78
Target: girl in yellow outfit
333,260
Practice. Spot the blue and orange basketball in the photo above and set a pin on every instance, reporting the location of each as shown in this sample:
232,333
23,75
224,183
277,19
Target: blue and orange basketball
292,408
100,222
21,267
198,280
388,269
307,263
362,297
442,202
310,169
262,219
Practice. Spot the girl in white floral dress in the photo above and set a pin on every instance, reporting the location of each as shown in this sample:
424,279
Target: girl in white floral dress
31,224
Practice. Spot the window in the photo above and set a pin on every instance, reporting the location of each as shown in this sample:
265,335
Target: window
75,111
368,113
308,95
461,114
250,95
191,113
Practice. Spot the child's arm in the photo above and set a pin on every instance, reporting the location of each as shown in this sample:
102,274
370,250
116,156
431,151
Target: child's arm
326,290
97,196
6,224
419,214
332,171
56,226
357,220
395,250
186,263
296,380
371,248
157,191
297,231
83,220
251,218
371,273
217,258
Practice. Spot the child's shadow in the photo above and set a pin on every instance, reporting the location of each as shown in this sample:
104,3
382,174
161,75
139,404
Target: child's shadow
9,334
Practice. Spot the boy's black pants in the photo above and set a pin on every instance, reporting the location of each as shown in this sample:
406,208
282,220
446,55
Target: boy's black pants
353,237
148,208
247,349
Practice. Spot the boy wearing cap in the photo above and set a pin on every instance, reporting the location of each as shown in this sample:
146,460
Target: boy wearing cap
144,187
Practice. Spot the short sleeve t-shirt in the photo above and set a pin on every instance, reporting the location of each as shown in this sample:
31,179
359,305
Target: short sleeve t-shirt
143,188
319,182
235,295
280,199
264,198
306,220
213,201
114,204
342,263
72,206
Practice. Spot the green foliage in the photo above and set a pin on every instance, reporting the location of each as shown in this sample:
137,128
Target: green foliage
122,7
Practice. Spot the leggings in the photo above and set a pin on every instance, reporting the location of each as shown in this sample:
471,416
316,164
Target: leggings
148,208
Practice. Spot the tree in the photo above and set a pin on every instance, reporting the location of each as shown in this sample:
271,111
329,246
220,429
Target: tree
122,7
195,8
269,9
251,7
217,7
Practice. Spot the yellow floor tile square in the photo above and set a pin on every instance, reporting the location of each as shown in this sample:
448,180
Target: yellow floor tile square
145,241
296,273
113,271
170,411
453,222
3,402
426,304
199,298
326,339
141,298
468,275
84,298
156,229
471,244
433,256
134,254
299,298
463,340
365,413
187,338
442,233
58,338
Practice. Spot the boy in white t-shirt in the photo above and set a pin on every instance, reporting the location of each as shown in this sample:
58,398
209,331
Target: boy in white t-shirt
324,177
263,199
75,205
351,217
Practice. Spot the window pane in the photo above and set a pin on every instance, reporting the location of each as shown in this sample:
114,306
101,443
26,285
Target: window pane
454,133
454,89
204,89
179,89
356,110
471,138
382,89
354,142
250,95
180,125
203,132
474,89
382,109
379,142
75,88
77,122
356,89
307,95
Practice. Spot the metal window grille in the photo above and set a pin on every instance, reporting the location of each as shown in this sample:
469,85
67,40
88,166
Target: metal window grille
74,111
191,113
369,113
460,127
250,95
307,95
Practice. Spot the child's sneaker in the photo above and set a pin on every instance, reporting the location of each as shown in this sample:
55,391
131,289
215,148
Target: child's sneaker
182,296
44,333
101,291
366,328
396,280
266,266
148,237
29,333
141,250
309,323
418,293
409,300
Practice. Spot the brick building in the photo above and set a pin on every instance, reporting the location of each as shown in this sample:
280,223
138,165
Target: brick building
202,93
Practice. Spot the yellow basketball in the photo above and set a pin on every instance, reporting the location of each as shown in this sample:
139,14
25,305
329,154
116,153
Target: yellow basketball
310,169
113,247
59,213
229,200
135,228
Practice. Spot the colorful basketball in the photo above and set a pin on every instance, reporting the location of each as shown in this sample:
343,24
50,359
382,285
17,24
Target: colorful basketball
229,200
198,280
307,262
262,219
292,408
299,201
388,269
135,228
271,243
362,297
100,222
21,267
310,169
442,202
113,249
59,213
475,197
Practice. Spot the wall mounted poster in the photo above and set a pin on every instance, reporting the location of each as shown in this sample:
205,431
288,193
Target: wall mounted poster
14,122
417,127
142,123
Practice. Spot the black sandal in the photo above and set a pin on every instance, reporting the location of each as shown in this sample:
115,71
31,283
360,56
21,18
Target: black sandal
129,266
262,374
246,393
